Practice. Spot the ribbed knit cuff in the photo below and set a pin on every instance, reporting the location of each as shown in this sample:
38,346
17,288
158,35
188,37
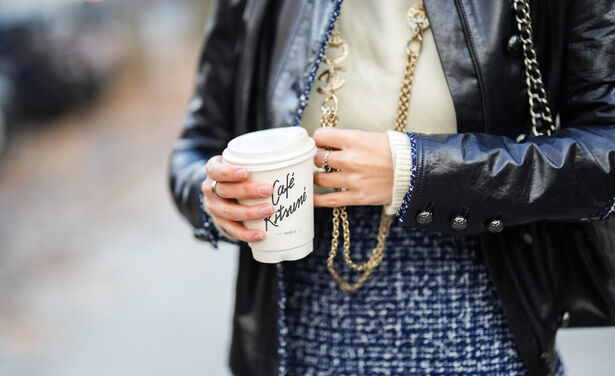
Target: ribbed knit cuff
402,162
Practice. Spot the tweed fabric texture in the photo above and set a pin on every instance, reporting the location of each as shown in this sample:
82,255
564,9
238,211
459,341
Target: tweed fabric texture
428,309
208,228
607,212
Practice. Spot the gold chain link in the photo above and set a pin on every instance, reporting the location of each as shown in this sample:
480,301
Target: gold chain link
418,23
404,98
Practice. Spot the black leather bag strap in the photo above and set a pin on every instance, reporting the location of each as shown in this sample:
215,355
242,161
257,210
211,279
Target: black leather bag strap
540,112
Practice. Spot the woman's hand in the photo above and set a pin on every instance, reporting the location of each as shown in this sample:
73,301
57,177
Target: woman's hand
365,164
231,185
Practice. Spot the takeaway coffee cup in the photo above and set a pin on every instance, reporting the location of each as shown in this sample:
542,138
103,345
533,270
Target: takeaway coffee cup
284,158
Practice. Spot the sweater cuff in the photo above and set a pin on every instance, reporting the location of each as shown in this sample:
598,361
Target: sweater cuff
402,168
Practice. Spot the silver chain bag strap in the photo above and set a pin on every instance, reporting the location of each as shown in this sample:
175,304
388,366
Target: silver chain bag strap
540,112
587,296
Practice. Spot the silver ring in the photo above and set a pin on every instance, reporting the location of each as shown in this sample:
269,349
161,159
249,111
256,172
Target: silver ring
325,165
213,189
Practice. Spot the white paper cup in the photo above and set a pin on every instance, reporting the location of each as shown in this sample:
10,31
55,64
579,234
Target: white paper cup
284,158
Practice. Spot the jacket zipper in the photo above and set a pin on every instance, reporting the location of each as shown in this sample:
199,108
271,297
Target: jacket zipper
472,49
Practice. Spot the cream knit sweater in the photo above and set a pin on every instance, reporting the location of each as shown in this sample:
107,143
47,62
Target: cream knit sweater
377,33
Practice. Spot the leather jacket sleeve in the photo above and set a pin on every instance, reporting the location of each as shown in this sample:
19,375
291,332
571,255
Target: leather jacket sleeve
208,124
568,176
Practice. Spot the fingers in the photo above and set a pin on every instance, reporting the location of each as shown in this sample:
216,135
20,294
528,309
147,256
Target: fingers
231,182
339,198
335,138
237,212
219,171
239,231
244,190
335,158
334,179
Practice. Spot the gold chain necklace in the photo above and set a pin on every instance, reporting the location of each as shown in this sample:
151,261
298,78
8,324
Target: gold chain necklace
418,23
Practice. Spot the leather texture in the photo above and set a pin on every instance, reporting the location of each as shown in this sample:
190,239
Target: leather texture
256,68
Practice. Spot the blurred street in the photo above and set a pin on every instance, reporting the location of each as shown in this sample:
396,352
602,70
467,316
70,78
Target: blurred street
99,275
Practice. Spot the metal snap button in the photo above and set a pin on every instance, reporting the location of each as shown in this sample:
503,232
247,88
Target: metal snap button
564,319
424,217
513,45
459,223
495,225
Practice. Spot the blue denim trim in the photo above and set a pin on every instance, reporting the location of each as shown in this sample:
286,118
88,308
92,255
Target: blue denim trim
303,99
282,325
401,213
607,212
208,225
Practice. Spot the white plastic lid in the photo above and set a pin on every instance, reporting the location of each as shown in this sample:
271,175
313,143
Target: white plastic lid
270,148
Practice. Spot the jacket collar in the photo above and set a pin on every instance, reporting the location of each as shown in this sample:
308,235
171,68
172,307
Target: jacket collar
455,45
302,33
465,43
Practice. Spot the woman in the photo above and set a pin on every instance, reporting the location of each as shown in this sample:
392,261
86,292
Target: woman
457,291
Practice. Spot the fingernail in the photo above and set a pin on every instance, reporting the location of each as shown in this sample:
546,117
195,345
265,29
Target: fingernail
265,210
241,173
264,190
259,236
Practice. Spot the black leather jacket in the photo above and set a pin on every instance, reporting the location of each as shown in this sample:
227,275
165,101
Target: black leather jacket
255,72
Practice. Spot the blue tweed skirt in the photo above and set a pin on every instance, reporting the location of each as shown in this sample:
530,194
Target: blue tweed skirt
428,309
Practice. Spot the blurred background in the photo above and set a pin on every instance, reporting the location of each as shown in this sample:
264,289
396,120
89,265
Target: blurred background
99,275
